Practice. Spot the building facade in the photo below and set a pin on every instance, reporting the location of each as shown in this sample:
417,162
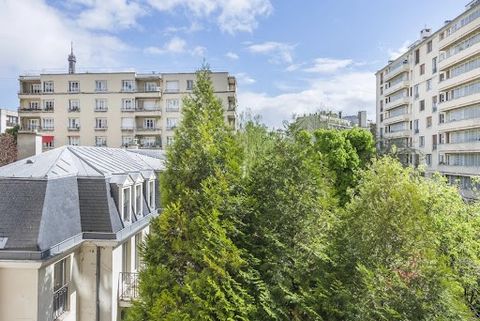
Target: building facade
8,119
428,100
73,219
112,109
330,120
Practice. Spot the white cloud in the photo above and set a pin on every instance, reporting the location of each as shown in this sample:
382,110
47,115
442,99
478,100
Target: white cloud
35,35
108,14
395,53
277,51
232,55
175,45
348,92
199,51
231,15
328,65
244,78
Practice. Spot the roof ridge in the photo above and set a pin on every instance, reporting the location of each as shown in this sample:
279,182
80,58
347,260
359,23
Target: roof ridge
54,163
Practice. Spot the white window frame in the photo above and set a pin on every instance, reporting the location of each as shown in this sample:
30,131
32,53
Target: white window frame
151,86
101,104
101,86
49,122
101,123
189,84
35,105
73,105
126,217
130,102
149,123
73,140
172,86
74,86
49,105
172,123
74,123
48,86
138,211
172,105
103,139
128,85
151,193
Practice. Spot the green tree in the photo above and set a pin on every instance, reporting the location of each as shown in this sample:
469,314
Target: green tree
290,202
193,271
389,260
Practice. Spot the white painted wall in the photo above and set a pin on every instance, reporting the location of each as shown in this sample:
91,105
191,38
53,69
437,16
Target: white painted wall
18,294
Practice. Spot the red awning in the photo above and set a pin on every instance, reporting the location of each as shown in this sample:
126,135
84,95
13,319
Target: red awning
47,139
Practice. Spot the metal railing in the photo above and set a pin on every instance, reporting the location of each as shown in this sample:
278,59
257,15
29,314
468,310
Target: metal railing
60,302
127,286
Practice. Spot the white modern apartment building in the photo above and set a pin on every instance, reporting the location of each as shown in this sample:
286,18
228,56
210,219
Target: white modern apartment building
428,100
112,109
72,220
8,119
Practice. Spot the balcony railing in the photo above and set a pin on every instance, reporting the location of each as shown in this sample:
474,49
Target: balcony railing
128,109
127,286
74,109
74,127
30,128
128,128
148,129
60,302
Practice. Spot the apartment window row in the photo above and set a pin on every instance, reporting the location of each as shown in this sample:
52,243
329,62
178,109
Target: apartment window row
131,199
397,127
397,96
463,182
398,111
463,136
470,159
460,24
395,67
396,80
467,43
462,91
101,86
463,68
468,112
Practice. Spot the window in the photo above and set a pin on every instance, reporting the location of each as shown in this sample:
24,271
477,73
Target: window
73,86
48,105
48,142
33,124
48,86
148,141
381,105
100,123
434,65
434,103
429,121
172,123
150,86
151,194
429,46
422,105
417,56
36,88
47,124
138,245
100,85
434,142
127,140
138,199
101,104
126,256
422,69
74,105
126,204
189,84
128,123
60,287
416,91
74,140
422,141
172,105
429,84
100,141
128,104
128,85
381,90
35,105
172,86
428,159
169,140
415,126
149,123
74,123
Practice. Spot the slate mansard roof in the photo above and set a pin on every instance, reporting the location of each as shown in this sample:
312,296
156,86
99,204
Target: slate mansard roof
68,193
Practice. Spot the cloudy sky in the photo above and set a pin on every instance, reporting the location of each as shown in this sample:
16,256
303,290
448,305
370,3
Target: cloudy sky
289,56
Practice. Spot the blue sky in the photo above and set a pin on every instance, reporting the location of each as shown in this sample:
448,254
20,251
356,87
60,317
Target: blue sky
290,57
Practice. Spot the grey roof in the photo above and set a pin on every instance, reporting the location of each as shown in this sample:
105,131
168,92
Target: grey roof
81,161
154,153
55,196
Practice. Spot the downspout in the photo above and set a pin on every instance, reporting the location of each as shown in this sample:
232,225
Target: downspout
98,284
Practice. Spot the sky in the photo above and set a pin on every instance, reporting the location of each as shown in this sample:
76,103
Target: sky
290,57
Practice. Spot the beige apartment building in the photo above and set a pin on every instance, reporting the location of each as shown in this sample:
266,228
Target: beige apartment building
112,109
8,119
428,100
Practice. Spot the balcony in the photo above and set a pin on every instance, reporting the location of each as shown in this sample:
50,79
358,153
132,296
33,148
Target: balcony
73,109
398,134
127,109
47,129
473,146
458,170
458,34
101,110
101,128
141,130
459,125
30,128
128,128
458,80
60,302
460,102
458,57
400,85
396,103
74,128
127,288
397,71
151,112
396,119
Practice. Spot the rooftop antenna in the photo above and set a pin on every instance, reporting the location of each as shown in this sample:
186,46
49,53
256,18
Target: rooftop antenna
71,60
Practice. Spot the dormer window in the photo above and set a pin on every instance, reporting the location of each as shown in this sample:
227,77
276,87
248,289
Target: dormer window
138,199
126,204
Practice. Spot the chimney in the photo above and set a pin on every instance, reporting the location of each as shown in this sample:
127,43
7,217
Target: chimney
425,33
71,60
